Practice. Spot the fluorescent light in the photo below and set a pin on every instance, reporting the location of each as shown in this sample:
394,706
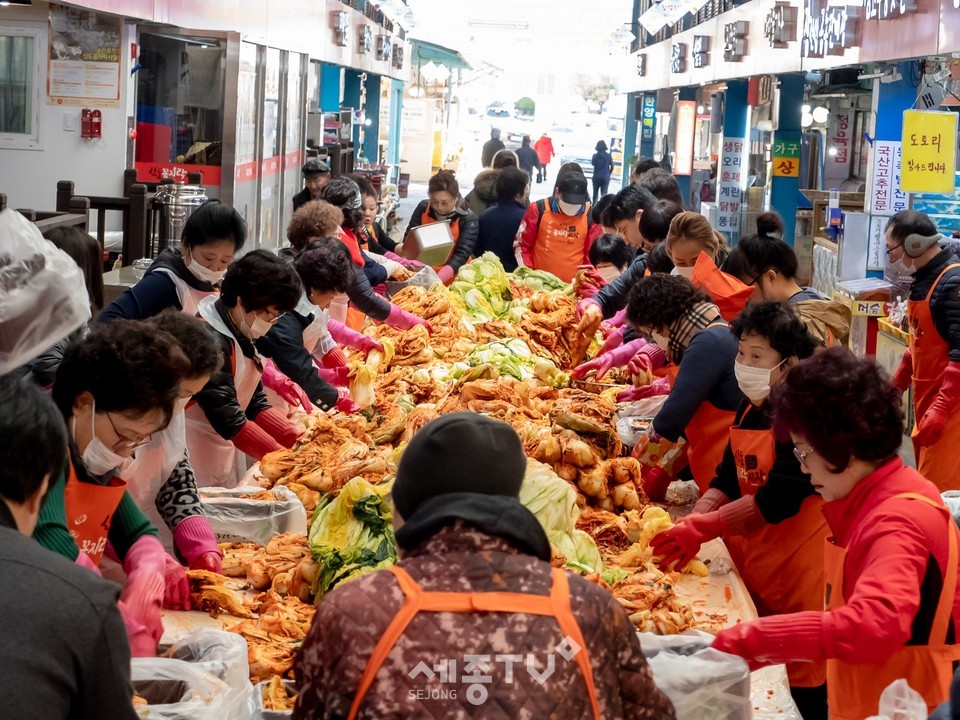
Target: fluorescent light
832,152
820,114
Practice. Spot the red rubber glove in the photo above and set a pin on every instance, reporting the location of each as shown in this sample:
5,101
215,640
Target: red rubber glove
176,588
208,561
588,305
334,359
615,358
335,376
648,358
934,421
351,338
776,639
903,377
614,339
446,274
402,320
657,387
282,430
195,541
145,565
345,403
287,389
254,441
655,482
681,543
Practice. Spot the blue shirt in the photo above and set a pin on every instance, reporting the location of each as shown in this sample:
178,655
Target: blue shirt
602,165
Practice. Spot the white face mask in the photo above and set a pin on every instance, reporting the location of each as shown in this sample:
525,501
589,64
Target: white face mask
686,272
900,268
754,382
97,457
257,329
662,341
609,273
201,272
569,209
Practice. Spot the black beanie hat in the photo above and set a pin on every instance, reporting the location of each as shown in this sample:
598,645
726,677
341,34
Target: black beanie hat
459,453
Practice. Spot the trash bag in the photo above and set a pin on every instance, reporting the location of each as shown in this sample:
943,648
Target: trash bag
901,702
204,677
237,519
425,277
43,296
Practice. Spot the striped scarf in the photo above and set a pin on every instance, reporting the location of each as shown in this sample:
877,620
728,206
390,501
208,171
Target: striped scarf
683,329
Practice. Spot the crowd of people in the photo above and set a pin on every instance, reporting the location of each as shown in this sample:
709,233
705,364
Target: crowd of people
188,378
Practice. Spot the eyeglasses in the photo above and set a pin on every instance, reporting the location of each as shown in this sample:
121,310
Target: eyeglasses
890,250
273,320
124,442
801,455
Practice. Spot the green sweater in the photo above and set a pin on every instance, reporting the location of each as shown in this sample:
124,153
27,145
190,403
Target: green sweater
127,526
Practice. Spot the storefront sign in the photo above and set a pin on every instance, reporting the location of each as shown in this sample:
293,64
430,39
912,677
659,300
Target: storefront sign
649,117
839,147
398,56
340,24
883,9
829,30
365,39
929,151
686,129
701,51
888,198
678,58
154,172
83,58
383,47
642,63
730,181
780,26
786,158
735,40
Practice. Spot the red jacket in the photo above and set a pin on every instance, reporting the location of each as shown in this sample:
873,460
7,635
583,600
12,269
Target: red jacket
544,148
885,567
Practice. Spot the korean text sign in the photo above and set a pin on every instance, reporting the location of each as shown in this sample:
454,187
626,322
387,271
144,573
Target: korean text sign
929,151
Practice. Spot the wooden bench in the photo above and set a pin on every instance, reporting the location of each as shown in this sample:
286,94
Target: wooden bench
76,215
133,209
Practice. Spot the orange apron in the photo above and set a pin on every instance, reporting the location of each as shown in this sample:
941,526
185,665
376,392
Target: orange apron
417,600
727,292
706,433
354,318
561,243
780,563
853,691
940,462
90,508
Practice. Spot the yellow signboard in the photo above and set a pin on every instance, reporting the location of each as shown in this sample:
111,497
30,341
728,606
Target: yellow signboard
786,167
929,151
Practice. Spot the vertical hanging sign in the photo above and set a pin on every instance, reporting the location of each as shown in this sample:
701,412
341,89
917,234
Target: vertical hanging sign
730,181
686,129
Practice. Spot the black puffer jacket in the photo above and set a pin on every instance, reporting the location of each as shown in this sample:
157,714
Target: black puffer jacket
613,296
945,302
469,231
218,398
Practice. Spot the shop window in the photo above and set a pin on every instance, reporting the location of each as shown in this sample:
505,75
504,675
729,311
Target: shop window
21,81
180,93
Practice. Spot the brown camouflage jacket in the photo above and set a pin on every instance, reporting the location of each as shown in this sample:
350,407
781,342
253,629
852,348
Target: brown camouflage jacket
351,620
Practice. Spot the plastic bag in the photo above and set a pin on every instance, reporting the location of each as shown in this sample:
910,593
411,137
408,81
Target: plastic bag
425,277
206,677
701,682
901,702
951,499
237,519
43,296
653,450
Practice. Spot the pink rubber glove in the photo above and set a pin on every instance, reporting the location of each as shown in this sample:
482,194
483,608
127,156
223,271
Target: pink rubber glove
176,591
903,377
345,403
83,560
196,542
657,387
619,319
615,358
614,339
143,641
648,358
446,274
334,359
408,264
934,421
680,544
283,386
587,305
339,376
402,320
351,338
380,290
145,565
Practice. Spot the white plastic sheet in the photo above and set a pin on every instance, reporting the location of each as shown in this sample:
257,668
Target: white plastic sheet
236,519
901,702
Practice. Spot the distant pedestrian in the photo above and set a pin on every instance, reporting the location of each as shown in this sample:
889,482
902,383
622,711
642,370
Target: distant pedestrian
545,151
602,170
499,224
490,148
529,159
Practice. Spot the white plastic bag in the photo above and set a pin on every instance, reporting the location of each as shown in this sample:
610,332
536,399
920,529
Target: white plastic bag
901,702
206,677
237,519
425,277
43,296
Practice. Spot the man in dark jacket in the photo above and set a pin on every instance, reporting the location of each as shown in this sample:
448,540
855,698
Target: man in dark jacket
499,224
464,533
490,148
528,158
64,652
316,174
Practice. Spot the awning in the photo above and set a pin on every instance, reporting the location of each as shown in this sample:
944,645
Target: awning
423,52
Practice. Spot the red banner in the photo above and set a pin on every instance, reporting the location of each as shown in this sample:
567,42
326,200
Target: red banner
154,172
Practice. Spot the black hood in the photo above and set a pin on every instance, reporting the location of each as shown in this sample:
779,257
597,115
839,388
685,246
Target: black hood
170,259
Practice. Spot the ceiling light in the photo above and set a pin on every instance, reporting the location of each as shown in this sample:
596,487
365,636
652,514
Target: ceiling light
805,108
820,114
806,120
832,152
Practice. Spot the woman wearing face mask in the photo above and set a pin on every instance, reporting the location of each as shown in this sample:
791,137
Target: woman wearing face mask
766,263
932,362
760,501
302,334
180,279
116,388
160,477
370,233
891,566
231,415
703,387
445,203
343,193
